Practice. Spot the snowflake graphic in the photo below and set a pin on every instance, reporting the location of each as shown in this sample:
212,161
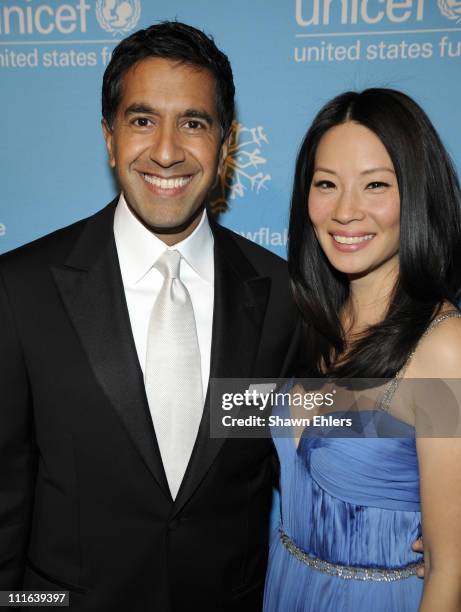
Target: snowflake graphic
242,168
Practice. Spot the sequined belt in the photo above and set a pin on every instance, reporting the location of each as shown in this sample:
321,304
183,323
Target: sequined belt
348,572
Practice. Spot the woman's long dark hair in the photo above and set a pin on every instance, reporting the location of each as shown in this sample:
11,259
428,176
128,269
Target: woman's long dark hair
430,239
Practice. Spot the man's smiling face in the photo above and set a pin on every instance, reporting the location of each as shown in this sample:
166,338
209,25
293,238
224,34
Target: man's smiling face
166,144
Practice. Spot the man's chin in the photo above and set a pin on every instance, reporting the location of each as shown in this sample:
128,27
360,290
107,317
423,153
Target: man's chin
174,226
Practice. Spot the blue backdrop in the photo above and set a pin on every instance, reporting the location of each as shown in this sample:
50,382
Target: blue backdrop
288,56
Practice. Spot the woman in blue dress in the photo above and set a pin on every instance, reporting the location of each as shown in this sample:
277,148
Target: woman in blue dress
374,257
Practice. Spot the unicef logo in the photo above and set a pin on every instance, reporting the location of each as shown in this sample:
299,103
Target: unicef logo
450,9
118,16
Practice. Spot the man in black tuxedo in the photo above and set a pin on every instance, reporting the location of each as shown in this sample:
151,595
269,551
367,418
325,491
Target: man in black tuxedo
91,501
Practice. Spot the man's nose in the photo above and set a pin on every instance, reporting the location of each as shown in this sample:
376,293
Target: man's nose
166,149
348,207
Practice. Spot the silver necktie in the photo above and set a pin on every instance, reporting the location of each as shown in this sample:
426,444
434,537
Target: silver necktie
173,372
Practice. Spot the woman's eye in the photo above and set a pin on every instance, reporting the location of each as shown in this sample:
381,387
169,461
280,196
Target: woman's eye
377,185
324,184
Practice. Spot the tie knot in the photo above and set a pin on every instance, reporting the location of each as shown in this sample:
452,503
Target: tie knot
168,264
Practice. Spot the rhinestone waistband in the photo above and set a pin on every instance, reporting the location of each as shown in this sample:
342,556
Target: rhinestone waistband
348,572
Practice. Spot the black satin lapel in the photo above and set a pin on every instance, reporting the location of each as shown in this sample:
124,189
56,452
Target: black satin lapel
239,309
95,301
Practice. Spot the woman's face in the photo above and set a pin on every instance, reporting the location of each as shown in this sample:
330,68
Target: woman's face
354,202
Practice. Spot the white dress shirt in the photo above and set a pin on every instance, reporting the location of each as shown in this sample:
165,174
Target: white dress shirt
138,249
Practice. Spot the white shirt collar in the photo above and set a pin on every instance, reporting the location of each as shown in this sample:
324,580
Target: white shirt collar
138,248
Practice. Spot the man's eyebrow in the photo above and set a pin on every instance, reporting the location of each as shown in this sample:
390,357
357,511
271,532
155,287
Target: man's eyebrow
194,113
140,107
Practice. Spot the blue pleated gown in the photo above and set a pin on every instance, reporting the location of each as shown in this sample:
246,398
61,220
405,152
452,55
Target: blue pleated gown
349,501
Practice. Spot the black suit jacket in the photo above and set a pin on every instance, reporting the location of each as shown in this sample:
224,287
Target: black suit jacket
85,504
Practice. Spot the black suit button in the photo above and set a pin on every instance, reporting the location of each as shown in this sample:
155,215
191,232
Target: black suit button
174,524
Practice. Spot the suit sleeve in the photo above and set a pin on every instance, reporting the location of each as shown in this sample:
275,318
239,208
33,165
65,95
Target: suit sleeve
17,451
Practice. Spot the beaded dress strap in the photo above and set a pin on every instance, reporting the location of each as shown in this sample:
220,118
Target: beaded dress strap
392,385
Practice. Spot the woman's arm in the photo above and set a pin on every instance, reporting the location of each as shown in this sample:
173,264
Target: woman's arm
439,356
440,475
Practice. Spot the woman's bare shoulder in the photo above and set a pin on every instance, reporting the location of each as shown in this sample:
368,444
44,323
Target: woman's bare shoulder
438,355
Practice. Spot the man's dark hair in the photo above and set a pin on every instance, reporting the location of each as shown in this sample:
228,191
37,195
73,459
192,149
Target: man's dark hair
175,41
430,239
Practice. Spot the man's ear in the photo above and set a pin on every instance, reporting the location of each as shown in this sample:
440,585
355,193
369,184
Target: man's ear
108,137
224,151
